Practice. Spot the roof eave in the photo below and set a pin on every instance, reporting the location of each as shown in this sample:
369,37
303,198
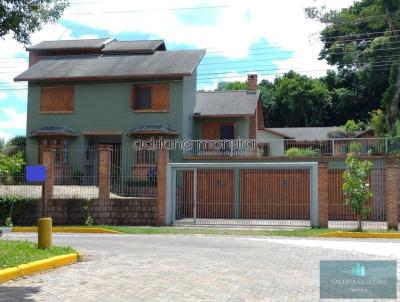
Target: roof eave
53,134
203,53
199,116
278,133
20,78
146,133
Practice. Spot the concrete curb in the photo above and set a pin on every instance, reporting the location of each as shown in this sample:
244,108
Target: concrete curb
342,234
66,230
36,267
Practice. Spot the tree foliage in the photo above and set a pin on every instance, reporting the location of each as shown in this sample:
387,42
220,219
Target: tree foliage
236,85
23,17
378,123
10,166
363,38
356,187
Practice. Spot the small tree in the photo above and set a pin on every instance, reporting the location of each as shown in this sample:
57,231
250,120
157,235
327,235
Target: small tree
356,187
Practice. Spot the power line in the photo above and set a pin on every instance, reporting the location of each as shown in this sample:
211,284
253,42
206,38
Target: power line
265,72
261,48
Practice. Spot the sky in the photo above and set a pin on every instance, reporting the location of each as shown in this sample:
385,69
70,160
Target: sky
267,37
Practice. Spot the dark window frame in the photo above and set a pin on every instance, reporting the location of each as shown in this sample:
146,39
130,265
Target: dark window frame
136,101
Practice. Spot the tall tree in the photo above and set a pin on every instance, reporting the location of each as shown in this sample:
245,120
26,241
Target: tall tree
365,37
307,100
23,17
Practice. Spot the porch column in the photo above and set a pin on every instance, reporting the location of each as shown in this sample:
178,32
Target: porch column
323,199
104,171
47,188
162,162
392,193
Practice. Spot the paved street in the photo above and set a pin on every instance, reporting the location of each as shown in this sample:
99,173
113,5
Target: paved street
191,268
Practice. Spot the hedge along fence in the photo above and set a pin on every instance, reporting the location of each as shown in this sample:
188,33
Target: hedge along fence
20,207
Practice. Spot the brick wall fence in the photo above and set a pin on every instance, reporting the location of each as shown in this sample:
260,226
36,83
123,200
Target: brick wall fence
110,212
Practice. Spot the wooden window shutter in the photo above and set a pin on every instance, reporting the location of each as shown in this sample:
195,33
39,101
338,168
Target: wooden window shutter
211,131
57,99
160,97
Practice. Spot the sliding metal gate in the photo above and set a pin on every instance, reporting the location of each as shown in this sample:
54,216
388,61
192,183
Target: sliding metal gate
243,194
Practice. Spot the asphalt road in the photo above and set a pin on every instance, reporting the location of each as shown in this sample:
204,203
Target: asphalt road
191,268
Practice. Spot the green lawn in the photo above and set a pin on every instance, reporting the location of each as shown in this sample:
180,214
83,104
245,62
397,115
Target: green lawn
13,253
300,232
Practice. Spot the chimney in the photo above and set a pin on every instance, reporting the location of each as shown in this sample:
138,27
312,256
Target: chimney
251,83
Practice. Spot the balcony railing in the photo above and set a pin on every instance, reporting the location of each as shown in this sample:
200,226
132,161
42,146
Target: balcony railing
292,148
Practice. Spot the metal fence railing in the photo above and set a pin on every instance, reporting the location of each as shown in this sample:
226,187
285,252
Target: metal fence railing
293,148
75,172
13,183
269,195
133,172
341,215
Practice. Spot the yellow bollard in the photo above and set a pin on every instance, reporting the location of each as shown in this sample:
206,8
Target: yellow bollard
44,233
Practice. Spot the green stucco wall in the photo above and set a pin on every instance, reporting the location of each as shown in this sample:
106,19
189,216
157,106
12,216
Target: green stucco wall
107,107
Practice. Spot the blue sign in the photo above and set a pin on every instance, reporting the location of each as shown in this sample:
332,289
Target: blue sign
35,173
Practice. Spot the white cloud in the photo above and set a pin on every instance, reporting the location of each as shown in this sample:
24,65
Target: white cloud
13,119
6,135
237,26
3,95
13,122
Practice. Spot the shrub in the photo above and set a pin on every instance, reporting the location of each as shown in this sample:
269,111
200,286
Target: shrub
352,125
10,166
378,122
12,206
299,152
89,221
355,148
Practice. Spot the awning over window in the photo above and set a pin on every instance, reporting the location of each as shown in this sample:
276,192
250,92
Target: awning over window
153,129
53,131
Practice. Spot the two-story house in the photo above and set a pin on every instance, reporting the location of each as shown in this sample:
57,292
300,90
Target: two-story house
82,93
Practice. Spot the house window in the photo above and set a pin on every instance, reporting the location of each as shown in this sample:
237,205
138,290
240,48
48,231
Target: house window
152,97
224,131
57,100
227,132
142,98
146,157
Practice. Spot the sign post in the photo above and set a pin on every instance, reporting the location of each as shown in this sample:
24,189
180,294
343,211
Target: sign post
37,173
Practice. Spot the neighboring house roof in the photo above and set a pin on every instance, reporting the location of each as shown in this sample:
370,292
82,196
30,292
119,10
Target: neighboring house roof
222,103
61,131
304,133
276,133
349,134
150,129
162,63
68,45
144,46
315,133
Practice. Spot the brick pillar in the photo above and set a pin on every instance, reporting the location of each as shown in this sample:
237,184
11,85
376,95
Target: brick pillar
47,188
392,194
323,200
104,171
162,161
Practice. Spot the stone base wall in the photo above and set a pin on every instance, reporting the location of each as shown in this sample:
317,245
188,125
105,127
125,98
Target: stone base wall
108,211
